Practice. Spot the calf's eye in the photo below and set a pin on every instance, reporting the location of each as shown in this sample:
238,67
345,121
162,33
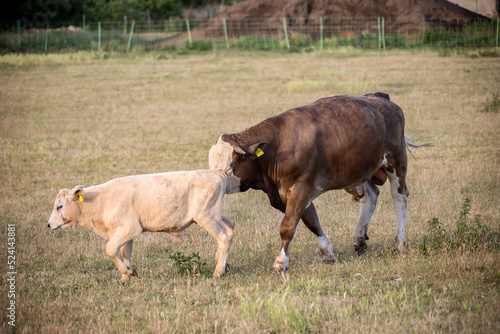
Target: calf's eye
59,207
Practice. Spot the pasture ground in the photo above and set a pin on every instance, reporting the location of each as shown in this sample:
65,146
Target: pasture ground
86,118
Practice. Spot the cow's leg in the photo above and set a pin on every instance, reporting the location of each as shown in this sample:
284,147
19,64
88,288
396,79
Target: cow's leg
126,253
295,207
399,194
223,233
368,202
311,220
121,237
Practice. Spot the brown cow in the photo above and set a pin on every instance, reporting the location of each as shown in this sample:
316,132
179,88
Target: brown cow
339,142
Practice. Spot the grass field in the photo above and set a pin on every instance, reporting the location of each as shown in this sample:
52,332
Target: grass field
87,118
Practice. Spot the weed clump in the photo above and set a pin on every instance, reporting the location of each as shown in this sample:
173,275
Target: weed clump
492,105
191,265
469,235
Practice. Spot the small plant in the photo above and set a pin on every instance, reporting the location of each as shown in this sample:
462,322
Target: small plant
488,52
492,105
189,264
469,235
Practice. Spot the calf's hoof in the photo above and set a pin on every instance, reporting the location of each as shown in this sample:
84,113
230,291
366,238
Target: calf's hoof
124,279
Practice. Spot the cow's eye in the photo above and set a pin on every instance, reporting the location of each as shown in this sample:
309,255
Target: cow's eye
59,207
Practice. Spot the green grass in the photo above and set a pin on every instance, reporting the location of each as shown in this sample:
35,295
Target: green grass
85,118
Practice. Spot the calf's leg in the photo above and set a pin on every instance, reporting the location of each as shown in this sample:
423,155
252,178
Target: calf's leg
126,253
221,230
121,237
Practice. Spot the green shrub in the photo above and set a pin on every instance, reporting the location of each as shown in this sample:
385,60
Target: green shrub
469,235
191,265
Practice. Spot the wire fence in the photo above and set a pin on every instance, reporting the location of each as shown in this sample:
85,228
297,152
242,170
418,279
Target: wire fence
262,34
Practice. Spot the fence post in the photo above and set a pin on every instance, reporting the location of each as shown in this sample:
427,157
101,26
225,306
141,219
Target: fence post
379,35
321,32
130,36
496,42
99,36
84,25
286,34
189,34
47,36
19,34
225,33
383,32
149,22
125,24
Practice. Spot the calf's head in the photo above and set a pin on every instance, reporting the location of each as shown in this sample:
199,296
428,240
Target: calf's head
66,210
236,160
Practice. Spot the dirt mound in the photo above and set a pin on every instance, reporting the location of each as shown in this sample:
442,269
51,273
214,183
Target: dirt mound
395,12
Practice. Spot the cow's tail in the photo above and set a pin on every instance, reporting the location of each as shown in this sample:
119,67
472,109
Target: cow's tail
411,142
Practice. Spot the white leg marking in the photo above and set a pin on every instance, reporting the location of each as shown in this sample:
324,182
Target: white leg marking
400,208
368,203
326,248
281,262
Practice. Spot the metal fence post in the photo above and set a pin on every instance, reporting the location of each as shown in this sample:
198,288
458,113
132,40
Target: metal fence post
286,34
321,33
225,32
379,35
130,36
496,41
189,34
99,36
47,37
19,34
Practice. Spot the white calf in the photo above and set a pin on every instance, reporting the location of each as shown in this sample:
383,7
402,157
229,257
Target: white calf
123,208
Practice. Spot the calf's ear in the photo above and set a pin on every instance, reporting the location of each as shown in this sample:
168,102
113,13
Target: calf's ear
76,193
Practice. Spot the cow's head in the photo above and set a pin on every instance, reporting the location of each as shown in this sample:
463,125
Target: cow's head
66,211
236,160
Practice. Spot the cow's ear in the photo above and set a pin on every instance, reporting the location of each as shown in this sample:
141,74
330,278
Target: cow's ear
76,193
256,149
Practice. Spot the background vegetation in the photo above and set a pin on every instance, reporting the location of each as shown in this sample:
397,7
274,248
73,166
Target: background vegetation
85,118
71,11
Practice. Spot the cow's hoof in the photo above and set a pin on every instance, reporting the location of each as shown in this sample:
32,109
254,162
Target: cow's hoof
360,247
399,245
279,266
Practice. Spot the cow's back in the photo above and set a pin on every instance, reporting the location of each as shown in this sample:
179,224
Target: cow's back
341,139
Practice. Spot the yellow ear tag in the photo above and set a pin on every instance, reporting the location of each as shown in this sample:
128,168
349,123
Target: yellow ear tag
80,197
259,152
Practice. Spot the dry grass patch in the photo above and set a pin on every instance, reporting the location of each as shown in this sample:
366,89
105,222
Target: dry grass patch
81,119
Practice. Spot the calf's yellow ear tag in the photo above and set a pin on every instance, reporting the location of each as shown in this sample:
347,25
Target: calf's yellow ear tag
259,152
80,197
